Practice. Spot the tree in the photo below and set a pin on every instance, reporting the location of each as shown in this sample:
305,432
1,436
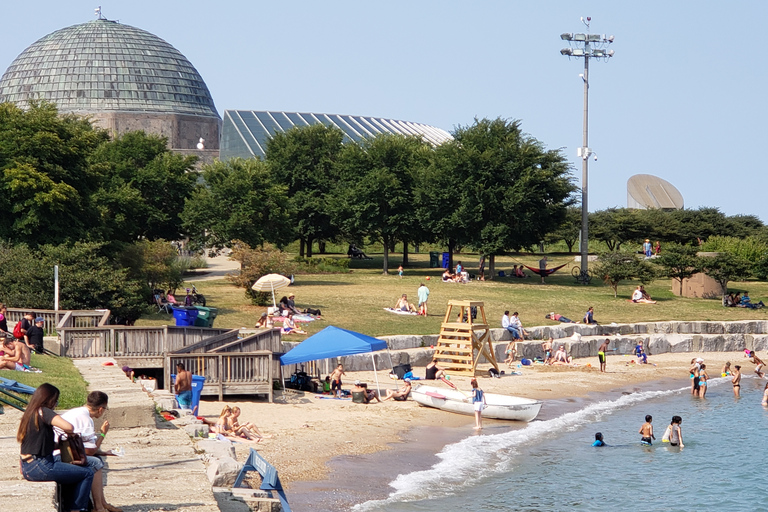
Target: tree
153,263
617,226
46,182
143,188
378,179
614,267
569,230
238,200
678,262
304,159
509,191
725,267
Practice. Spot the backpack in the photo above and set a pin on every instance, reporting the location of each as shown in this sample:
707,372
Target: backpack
17,331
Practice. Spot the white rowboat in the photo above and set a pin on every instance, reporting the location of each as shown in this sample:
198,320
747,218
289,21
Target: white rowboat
500,407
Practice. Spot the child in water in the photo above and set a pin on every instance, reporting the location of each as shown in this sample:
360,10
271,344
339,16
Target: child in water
726,370
674,433
703,377
646,431
599,440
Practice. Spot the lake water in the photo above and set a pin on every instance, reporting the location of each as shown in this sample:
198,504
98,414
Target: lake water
551,466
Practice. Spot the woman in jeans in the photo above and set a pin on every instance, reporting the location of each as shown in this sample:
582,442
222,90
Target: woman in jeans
37,444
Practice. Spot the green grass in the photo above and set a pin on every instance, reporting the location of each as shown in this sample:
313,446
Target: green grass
59,371
356,300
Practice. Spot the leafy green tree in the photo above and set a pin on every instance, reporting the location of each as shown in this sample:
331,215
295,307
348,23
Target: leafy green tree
678,262
143,188
509,190
304,159
46,181
614,267
153,263
376,196
725,267
257,262
569,230
87,280
238,200
617,226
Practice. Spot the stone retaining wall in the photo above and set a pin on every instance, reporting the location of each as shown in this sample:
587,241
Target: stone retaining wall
657,337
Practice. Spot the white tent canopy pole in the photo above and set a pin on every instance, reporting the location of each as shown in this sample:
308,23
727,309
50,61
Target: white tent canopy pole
375,375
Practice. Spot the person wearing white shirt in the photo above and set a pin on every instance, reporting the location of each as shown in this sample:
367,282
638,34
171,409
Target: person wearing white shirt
512,324
81,419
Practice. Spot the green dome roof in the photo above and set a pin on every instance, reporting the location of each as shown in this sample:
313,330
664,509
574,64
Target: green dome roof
103,65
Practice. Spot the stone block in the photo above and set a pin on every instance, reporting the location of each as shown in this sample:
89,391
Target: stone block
166,404
680,342
197,430
216,448
223,471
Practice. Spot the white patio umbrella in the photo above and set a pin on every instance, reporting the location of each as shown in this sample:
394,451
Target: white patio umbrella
270,283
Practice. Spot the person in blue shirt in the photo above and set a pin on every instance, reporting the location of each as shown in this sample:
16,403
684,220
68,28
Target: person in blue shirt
640,353
599,440
478,401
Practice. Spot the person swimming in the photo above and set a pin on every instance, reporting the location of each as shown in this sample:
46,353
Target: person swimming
599,440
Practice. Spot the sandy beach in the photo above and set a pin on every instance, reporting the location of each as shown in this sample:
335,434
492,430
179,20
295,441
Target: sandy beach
308,431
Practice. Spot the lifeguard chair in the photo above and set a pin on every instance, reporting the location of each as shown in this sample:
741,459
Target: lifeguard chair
461,336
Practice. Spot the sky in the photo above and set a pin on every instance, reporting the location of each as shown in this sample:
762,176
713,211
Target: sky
684,97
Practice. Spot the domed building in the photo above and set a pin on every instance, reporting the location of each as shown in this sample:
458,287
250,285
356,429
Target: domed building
123,77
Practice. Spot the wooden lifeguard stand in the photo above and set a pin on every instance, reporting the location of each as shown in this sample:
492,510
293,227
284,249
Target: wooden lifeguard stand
460,337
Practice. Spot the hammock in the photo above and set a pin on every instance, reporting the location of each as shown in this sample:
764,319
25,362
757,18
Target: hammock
546,271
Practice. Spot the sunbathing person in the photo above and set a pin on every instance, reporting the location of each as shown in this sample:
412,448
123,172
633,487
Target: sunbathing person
589,317
433,371
559,318
400,395
404,305
247,429
639,296
12,356
265,321
561,357
289,326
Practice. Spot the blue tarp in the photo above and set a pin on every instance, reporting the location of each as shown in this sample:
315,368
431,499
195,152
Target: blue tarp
332,342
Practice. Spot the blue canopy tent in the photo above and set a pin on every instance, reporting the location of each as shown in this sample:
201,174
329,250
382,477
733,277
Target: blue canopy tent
334,342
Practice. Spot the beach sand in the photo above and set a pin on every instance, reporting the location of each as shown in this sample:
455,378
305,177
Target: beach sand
308,432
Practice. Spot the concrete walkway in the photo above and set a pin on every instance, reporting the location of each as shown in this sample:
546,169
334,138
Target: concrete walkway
218,268
160,470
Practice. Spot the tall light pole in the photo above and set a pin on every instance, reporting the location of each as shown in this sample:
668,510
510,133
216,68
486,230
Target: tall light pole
586,46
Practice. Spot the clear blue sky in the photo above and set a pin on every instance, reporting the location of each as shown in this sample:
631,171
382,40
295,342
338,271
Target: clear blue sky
684,98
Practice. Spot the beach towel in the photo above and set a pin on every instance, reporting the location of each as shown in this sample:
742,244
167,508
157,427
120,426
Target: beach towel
400,312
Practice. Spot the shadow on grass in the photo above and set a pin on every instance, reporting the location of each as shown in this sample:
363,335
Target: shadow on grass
300,282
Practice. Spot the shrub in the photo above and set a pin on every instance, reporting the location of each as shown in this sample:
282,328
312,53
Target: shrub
258,262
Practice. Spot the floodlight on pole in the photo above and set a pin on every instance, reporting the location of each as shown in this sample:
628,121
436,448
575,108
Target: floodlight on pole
588,46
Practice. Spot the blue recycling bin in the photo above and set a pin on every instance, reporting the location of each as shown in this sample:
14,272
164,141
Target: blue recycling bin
197,389
446,258
185,316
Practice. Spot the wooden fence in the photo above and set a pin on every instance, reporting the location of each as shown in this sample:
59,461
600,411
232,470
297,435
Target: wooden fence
54,320
236,373
129,341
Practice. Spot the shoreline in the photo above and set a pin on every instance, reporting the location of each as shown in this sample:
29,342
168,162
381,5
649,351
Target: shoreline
312,434
352,480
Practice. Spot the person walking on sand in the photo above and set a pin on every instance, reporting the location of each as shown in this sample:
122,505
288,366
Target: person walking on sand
646,431
757,362
601,350
336,381
478,402
736,380
423,294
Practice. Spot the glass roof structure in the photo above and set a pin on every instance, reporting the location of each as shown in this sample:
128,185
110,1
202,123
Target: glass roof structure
245,133
103,65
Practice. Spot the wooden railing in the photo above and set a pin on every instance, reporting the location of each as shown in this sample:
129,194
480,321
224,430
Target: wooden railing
53,320
125,341
237,373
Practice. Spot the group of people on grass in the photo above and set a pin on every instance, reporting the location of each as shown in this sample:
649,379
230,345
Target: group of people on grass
739,300
15,352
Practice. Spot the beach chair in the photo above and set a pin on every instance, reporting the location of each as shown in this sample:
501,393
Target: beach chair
162,306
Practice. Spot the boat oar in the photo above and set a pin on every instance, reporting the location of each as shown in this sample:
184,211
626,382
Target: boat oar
453,386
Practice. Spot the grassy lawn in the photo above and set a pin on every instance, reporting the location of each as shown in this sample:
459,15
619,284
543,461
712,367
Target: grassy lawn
355,300
58,371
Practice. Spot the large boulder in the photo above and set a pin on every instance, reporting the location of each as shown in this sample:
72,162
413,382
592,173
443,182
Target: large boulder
216,448
222,472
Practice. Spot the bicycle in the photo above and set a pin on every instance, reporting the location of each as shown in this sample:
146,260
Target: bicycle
582,277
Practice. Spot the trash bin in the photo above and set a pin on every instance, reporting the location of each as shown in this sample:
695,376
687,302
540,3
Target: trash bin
205,316
446,258
197,389
185,315
434,259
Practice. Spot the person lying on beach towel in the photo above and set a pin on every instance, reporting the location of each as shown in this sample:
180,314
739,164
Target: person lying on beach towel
289,326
